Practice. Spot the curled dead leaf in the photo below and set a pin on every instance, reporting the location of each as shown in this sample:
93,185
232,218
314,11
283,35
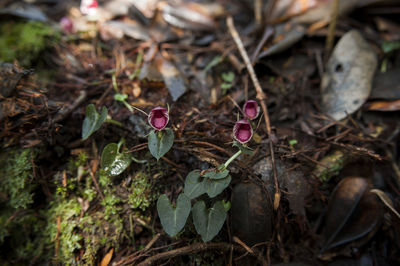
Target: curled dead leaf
353,213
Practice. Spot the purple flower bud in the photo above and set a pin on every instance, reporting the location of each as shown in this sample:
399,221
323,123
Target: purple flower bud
242,131
158,118
66,24
251,109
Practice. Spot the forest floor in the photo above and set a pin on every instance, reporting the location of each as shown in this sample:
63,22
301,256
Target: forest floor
319,183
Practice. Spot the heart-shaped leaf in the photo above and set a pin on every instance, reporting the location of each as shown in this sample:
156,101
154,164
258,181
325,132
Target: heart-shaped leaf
93,120
194,186
173,219
112,161
160,142
228,76
216,186
215,174
208,222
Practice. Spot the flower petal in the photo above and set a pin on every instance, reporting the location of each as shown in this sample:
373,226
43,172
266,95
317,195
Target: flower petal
158,118
242,131
251,109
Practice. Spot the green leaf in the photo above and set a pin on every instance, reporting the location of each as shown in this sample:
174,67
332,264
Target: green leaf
173,219
243,148
120,97
194,186
93,120
215,61
293,142
114,162
160,142
227,205
215,174
209,222
388,47
228,76
216,186
226,86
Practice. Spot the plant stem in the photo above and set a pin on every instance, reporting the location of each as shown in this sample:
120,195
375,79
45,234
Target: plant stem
138,109
261,97
232,158
127,105
112,121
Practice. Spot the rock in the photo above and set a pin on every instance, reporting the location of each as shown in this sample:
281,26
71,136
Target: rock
293,181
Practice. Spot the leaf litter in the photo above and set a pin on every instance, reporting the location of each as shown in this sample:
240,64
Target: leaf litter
159,53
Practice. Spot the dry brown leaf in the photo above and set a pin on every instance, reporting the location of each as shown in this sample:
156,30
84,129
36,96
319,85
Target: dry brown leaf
107,258
386,200
353,214
347,82
384,106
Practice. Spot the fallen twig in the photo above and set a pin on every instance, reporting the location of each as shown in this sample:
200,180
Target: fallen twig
332,28
195,248
261,97
81,98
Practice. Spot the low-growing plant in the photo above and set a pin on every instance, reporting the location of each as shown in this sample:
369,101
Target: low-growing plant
207,220
113,160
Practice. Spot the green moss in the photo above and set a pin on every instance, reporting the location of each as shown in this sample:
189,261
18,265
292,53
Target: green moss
77,161
16,177
19,224
62,232
66,237
331,165
110,204
104,179
19,233
140,192
98,234
24,41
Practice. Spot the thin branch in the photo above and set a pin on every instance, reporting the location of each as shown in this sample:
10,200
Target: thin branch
195,248
261,97
258,11
332,28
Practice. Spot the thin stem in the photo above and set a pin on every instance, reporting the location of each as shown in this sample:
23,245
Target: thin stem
127,105
138,109
332,27
261,97
112,121
232,158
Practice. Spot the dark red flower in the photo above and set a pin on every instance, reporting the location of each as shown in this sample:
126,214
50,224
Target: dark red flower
251,109
242,131
158,118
